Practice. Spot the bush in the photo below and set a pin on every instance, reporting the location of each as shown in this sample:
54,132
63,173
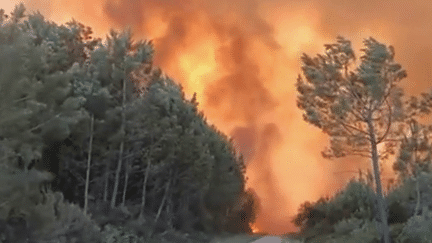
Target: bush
418,228
397,213
365,234
308,216
57,220
45,216
354,201
348,225
118,234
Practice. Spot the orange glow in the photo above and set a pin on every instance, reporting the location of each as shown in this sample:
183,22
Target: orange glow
254,229
243,57
196,64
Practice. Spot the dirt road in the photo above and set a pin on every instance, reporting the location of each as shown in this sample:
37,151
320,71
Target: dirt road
252,239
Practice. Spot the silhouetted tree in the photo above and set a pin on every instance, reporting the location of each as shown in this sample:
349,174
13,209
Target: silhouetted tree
358,109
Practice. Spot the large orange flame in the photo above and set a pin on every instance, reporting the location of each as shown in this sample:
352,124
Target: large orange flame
242,59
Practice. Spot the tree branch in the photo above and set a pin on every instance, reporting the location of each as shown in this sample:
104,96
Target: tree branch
351,136
392,140
362,155
354,95
346,126
360,151
43,123
389,124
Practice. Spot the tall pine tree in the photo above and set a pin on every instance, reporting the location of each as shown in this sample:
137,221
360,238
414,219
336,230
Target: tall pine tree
359,109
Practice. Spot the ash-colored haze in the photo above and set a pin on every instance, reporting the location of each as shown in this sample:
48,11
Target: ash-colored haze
243,57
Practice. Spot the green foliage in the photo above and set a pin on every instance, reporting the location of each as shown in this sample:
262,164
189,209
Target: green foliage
54,78
308,216
56,129
199,154
397,213
362,108
366,232
66,221
243,215
348,225
37,82
350,213
354,201
415,153
20,191
418,228
114,60
180,131
414,193
46,215
162,114
339,100
113,234
228,171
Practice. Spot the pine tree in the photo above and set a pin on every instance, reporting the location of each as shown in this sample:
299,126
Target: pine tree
414,157
109,66
36,84
57,86
358,109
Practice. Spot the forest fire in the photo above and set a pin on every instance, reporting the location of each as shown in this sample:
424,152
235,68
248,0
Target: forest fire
254,229
242,60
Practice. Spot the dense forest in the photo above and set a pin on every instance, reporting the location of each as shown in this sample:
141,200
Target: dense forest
93,138
98,145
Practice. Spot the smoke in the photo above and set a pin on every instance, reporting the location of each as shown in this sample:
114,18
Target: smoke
405,25
235,89
245,141
243,57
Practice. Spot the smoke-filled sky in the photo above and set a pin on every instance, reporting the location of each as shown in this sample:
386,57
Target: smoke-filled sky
242,57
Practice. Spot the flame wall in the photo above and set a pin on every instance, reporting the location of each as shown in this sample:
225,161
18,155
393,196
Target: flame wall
242,58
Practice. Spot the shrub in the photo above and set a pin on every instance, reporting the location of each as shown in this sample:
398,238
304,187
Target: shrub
367,233
418,228
348,225
397,213
57,220
355,200
118,234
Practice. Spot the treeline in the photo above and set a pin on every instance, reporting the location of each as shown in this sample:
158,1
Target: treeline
93,136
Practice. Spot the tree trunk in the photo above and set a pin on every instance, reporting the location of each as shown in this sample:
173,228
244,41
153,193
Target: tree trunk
169,213
163,200
126,182
417,208
105,196
117,176
384,231
169,207
161,205
143,198
146,175
119,163
88,165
